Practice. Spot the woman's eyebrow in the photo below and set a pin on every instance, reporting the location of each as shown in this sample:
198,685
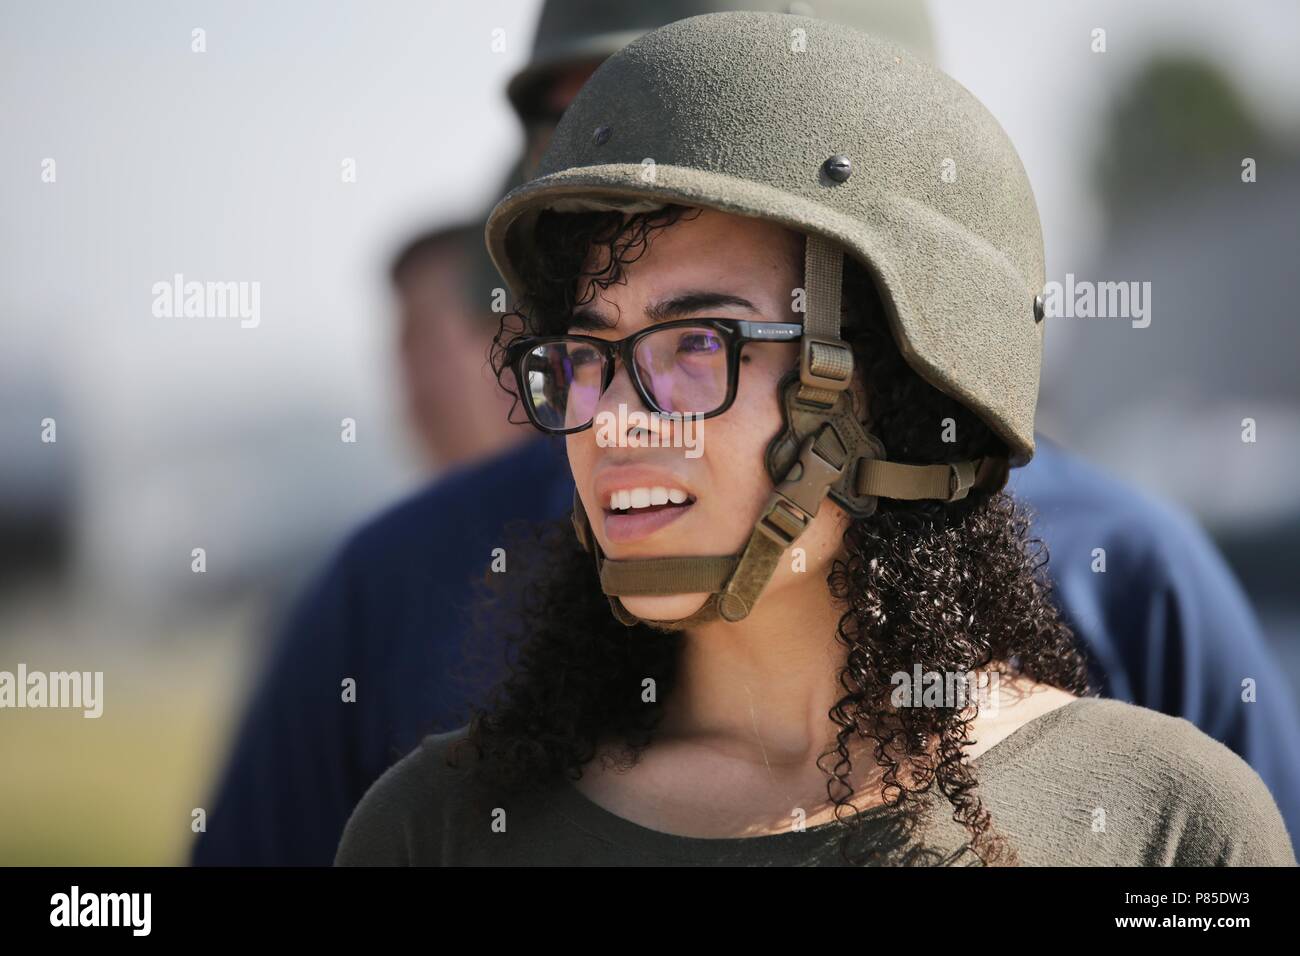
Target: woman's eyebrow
589,320
675,307
682,305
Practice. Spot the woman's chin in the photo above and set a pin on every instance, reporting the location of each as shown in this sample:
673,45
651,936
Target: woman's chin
666,607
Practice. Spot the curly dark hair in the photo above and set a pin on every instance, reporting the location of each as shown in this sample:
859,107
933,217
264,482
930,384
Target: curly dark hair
954,587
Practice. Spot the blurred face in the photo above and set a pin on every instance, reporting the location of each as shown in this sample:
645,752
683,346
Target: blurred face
557,96
458,410
710,265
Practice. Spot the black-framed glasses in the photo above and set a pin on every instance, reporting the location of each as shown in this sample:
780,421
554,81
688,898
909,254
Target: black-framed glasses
682,367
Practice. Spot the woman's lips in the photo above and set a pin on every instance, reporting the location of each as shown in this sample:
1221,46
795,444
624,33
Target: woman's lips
625,526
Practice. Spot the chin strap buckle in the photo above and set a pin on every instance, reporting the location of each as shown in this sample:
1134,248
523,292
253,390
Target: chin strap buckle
794,502
960,480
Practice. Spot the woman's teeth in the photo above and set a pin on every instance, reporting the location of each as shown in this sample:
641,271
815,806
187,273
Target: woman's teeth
631,498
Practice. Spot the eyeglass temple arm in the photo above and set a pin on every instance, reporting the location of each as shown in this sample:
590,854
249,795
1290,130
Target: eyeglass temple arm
769,331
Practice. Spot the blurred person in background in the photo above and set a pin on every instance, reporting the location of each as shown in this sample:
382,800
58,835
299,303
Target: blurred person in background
443,280
1200,190
1167,627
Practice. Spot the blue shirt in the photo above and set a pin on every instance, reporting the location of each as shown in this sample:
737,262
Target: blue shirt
1166,626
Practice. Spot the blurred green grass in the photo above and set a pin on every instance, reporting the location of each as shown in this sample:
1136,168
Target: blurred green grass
119,789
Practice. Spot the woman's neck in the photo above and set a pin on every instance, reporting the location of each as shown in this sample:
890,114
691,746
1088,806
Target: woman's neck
762,687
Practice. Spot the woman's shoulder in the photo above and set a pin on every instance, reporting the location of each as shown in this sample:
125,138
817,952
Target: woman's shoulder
1175,794
399,820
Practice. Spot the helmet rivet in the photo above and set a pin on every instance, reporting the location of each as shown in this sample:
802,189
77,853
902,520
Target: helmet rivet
733,607
601,136
838,168
1039,308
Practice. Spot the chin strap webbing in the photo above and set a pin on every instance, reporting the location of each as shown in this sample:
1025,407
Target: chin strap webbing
734,582
890,479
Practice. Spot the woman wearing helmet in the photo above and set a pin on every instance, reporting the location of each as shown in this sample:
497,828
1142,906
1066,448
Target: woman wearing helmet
818,633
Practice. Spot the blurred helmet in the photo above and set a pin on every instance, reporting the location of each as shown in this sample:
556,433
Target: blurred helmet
574,33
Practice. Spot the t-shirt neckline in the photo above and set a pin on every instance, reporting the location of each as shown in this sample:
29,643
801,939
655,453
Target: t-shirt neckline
609,827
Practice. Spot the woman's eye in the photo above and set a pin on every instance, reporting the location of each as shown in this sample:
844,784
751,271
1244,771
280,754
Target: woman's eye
698,343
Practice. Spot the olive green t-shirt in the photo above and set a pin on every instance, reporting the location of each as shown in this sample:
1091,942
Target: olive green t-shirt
1095,782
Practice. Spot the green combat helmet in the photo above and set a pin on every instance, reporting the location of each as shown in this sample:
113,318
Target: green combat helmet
870,152
574,34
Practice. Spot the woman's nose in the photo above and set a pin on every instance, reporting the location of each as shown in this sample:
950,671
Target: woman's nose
621,391
622,413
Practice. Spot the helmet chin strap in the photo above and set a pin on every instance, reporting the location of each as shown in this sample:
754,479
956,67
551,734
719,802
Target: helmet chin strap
822,450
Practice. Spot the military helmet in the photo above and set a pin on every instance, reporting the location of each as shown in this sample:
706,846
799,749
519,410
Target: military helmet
868,151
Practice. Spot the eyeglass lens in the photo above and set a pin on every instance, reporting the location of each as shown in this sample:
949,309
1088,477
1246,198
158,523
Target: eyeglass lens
683,368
